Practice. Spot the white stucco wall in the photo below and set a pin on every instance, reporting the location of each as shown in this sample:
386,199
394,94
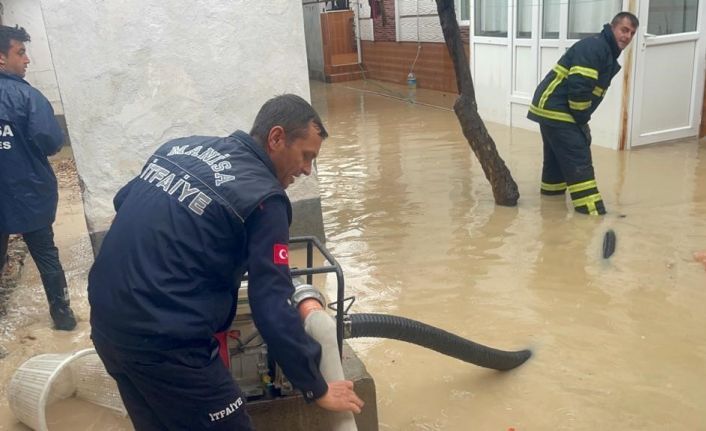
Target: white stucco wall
361,9
418,21
40,73
136,73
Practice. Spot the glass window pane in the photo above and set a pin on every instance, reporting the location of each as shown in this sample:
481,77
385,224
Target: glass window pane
465,10
491,18
524,19
587,18
550,19
670,17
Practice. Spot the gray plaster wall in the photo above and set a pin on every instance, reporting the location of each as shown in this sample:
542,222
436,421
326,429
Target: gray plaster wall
135,73
314,42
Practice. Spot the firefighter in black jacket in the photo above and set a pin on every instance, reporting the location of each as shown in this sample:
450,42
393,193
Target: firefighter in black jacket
202,212
563,103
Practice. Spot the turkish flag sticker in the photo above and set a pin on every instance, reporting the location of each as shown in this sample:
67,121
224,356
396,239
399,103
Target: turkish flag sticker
281,253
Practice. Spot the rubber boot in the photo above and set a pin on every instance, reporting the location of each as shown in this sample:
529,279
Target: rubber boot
4,238
58,297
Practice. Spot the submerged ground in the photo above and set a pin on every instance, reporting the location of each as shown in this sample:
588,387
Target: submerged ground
618,343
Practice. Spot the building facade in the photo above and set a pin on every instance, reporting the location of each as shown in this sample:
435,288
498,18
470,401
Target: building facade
657,96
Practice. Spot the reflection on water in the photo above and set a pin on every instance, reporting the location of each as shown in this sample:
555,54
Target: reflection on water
411,218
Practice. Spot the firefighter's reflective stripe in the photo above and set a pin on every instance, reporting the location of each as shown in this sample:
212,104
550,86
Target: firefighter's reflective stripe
589,202
586,185
585,194
579,106
561,74
554,115
584,71
598,91
561,70
553,187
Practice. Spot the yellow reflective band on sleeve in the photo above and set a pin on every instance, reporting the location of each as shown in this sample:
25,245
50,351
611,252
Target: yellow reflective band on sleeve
552,115
584,71
561,73
579,106
553,187
561,70
598,91
590,202
579,187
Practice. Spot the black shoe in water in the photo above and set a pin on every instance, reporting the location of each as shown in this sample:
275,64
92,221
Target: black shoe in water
63,318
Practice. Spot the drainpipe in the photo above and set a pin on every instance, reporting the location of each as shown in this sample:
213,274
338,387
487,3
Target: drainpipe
411,77
357,30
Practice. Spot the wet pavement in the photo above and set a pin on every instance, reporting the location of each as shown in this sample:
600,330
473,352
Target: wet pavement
618,343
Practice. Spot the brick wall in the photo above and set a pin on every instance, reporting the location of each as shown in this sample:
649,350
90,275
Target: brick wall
465,34
384,30
388,60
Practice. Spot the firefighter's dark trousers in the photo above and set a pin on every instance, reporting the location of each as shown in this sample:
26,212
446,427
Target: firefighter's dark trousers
185,389
46,256
568,165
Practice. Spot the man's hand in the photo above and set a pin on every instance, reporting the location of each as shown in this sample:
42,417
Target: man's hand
340,397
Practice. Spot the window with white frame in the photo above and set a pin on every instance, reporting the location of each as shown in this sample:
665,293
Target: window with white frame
464,11
550,19
587,17
524,19
670,17
491,18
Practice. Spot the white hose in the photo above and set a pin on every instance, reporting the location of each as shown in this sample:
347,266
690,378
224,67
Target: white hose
322,327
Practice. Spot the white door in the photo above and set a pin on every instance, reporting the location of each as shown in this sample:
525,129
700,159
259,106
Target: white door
669,73
524,43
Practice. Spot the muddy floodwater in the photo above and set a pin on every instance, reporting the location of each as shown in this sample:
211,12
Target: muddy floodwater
618,343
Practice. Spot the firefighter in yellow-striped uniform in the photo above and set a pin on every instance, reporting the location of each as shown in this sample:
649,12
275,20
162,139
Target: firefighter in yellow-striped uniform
563,103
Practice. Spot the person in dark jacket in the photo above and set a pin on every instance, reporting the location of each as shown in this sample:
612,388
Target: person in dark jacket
563,103
28,189
203,211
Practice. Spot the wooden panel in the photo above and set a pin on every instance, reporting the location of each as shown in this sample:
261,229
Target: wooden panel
391,61
339,47
338,38
343,77
344,59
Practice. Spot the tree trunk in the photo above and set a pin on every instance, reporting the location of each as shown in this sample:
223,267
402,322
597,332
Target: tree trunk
504,187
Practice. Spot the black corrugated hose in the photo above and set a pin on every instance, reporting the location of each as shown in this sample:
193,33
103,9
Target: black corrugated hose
421,334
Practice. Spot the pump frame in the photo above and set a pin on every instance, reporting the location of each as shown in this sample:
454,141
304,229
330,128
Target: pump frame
332,266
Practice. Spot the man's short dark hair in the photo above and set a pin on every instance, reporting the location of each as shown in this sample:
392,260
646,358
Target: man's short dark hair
289,111
619,17
11,33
